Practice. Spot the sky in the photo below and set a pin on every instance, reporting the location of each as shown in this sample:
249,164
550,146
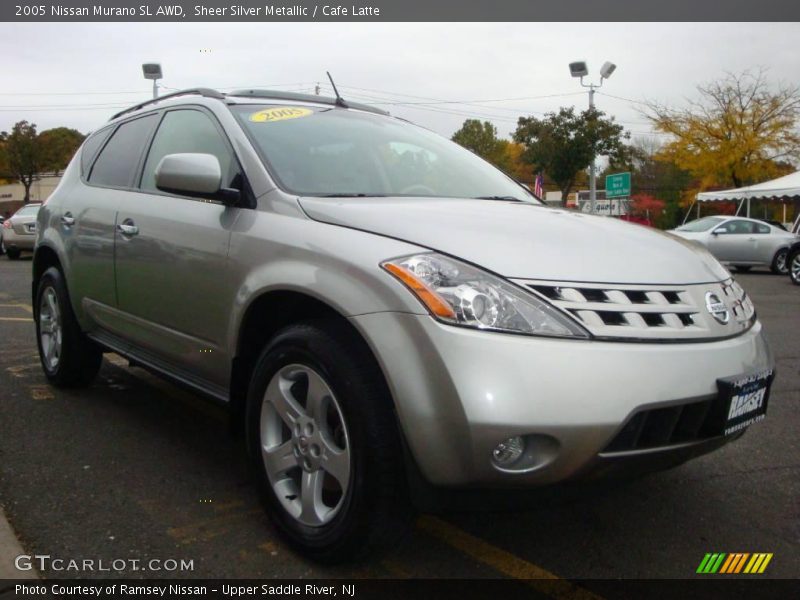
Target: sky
435,74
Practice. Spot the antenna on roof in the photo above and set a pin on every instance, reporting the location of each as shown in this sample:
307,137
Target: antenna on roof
339,100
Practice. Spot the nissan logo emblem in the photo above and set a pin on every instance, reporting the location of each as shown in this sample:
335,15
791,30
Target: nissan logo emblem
717,308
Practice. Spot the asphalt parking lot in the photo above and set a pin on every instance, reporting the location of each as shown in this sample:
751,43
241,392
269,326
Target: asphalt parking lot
135,468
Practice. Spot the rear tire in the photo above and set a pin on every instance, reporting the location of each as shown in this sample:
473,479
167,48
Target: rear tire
794,266
68,357
351,448
780,262
742,268
12,253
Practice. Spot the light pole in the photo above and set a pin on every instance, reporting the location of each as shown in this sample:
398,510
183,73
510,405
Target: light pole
580,69
152,71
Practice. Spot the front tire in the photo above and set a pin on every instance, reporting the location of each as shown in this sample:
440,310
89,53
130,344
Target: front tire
780,265
324,444
794,266
742,268
12,253
68,358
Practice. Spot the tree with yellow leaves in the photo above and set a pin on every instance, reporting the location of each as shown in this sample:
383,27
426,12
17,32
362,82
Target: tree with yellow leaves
741,130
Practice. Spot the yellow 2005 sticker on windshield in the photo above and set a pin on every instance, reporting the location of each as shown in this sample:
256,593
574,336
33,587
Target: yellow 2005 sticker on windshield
280,113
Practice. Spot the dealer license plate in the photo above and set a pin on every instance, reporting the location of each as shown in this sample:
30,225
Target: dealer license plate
745,398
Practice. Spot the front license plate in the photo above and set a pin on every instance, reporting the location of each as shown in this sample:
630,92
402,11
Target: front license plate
745,398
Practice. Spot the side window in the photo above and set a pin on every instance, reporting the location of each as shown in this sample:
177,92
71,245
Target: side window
739,227
189,131
91,147
117,163
761,228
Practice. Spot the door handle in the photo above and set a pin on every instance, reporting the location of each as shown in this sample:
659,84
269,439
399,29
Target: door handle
751,239
68,220
127,227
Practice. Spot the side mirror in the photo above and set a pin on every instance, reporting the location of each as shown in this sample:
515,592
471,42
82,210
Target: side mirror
719,230
189,174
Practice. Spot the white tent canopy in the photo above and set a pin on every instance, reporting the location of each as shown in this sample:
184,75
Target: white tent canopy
787,186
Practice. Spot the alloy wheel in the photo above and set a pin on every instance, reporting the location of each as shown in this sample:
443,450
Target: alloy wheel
795,267
50,330
305,445
780,262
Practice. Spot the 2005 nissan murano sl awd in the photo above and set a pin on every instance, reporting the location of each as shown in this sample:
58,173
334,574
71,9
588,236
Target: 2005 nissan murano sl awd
379,308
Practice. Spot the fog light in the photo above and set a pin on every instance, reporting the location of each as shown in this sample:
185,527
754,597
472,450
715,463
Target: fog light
508,452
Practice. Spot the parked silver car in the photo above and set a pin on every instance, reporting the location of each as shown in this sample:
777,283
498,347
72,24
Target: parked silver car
383,311
19,231
741,242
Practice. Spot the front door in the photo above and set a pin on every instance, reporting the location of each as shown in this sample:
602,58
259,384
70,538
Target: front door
173,285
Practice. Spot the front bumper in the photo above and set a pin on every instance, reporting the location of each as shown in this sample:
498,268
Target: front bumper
459,392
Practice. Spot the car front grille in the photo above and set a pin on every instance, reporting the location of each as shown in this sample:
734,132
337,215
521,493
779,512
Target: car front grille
670,425
650,312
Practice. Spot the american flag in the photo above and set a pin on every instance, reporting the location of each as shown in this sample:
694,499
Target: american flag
537,186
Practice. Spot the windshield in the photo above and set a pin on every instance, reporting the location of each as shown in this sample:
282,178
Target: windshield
28,210
703,224
333,152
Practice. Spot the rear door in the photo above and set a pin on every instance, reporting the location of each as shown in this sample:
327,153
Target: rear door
173,286
110,161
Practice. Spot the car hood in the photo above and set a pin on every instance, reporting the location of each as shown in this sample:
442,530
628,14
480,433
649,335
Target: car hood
527,241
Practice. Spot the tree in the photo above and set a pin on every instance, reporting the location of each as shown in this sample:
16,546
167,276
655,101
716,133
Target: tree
480,138
564,143
736,133
58,146
22,154
647,206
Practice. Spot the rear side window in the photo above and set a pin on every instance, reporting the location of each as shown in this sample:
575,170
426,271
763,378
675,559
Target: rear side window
188,131
117,163
92,146
762,228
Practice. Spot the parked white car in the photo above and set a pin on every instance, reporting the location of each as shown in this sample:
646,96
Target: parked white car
741,242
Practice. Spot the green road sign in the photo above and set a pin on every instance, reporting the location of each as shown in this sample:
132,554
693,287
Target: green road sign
618,185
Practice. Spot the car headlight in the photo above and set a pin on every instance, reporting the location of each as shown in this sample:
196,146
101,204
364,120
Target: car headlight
460,294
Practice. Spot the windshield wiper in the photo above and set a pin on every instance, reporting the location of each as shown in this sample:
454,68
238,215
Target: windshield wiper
351,195
497,198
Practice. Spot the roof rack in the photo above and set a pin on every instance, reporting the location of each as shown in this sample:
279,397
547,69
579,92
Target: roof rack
205,92
278,95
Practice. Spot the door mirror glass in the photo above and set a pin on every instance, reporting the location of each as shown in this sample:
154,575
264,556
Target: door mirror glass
189,174
719,230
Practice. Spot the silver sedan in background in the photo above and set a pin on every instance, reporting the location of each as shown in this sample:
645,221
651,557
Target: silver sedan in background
19,231
741,242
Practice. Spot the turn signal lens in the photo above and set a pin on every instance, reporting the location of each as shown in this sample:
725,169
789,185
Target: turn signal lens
431,299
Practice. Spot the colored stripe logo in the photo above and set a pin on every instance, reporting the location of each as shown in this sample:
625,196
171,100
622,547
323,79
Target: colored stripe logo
734,563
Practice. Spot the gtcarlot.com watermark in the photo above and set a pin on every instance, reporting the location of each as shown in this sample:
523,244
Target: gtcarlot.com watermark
46,562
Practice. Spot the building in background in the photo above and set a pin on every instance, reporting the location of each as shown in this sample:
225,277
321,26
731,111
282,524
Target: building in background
12,195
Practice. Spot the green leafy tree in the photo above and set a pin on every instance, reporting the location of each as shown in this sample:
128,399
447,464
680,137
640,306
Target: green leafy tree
22,154
479,137
563,144
58,146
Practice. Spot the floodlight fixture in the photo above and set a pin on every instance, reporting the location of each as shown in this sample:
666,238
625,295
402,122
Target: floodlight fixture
607,69
152,71
578,68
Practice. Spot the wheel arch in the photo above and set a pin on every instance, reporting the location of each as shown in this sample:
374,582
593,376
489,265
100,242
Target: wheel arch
264,317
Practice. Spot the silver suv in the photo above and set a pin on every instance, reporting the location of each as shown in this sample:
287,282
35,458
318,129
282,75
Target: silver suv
383,311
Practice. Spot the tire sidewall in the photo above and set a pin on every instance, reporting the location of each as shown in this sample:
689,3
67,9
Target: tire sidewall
789,261
311,349
785,253
51,278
